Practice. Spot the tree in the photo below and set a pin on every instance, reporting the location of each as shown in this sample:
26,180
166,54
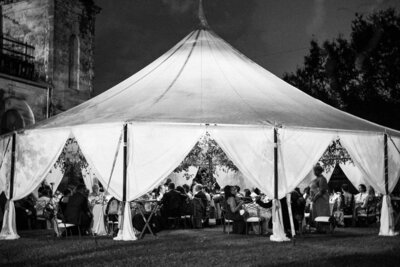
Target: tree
360,75
206,153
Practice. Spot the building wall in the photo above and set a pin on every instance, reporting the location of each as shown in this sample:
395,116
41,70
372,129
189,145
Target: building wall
48,25
28,98
29,22
72,18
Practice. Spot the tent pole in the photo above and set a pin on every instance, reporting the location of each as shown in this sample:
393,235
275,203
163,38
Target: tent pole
275,163
124,170
385,146
12,173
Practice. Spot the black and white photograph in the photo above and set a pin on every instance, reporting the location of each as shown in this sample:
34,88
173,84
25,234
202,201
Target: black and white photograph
200,133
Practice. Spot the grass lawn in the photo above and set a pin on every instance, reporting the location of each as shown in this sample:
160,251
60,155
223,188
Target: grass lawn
346,247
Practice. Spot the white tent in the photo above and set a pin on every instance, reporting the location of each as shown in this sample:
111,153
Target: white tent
136,133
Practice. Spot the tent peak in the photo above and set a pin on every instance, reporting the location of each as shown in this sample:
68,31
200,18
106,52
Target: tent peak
203,21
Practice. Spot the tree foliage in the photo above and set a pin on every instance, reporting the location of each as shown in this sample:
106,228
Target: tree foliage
206,151
359,75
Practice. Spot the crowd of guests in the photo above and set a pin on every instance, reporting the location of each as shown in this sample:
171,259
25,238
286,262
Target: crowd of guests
198,204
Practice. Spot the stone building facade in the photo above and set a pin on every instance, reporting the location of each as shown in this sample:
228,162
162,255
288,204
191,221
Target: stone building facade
55,39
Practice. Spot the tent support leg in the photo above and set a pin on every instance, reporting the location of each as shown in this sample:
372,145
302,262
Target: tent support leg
385,146
276,163
12,173
124,170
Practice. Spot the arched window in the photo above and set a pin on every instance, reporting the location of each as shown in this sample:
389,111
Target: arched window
11,121
73,64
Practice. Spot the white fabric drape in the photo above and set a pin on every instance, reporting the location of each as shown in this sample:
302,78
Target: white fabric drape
9,227
367,152
278,233
5,161
154,152
99,144
352,173
54,177
89,177
393,162
36,152
126,231
299,150
252,151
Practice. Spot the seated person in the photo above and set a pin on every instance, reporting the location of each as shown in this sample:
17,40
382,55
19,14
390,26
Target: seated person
337,209
186,208
360,198
26,212
171,203
95,197
200,204
45,194
348,200
62,204
247,196
369,202
77,211
232,210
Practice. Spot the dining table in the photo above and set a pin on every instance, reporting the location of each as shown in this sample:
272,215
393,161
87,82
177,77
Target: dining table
150,208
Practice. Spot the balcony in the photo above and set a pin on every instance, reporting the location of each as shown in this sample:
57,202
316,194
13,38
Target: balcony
16,58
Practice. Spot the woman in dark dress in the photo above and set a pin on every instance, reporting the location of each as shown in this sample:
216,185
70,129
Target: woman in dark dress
232,210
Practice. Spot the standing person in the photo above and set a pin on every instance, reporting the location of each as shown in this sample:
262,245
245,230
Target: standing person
319,194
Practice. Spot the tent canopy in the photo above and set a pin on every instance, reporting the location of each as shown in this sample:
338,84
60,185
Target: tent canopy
205,80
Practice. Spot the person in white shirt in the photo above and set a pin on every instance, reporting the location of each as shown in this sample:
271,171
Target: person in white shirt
360,198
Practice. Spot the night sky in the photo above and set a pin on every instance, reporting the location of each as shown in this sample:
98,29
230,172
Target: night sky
274,33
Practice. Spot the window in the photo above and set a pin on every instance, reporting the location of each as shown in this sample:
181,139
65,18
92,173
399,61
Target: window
73,64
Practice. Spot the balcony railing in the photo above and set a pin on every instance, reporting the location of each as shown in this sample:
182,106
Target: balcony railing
16,58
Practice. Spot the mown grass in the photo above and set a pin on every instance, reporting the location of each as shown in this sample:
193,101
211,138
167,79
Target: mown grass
208,247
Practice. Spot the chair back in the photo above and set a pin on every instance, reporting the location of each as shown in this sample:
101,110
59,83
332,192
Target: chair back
199,209
112,207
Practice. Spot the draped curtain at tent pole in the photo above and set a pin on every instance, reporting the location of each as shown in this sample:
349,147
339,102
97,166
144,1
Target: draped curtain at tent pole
36,152
299,150
100,145
367,152
5,162
352,173
154,151
251,150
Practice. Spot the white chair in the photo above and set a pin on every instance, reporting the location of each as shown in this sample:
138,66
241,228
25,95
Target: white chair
254,220
60,225
325,220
